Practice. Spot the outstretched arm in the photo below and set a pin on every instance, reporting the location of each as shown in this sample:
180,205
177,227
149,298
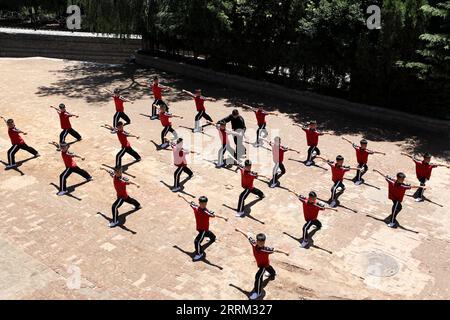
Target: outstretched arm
77,156
413,157
379,172
281,251
349,141
108,171
329,208
188,93
185,200
107,126
241,232
377,152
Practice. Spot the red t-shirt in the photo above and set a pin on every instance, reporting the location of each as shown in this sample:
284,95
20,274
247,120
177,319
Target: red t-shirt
310,210
68,159
165,119
15,137
223,136
202,217
278,153
199,103
423,170
119,103
157,91
247,178
312,137
397,190
260,117
121,187
122,135
337,173
261,254
179,157
64,119
362,156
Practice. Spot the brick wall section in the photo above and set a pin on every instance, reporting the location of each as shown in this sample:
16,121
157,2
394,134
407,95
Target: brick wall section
301,97
95,49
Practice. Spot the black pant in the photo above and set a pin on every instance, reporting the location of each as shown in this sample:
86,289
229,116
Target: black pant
177,174
66,173
275,174
311,150
13,150
116,205
244,194
261,129
165,130
308,225
221,153
396,208
203,114
198,240
120,115
362,169
65,132
239,142
420,191
260,276
336,185
159,103
122,152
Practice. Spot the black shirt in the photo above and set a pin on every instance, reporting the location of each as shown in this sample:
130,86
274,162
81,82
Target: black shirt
236,123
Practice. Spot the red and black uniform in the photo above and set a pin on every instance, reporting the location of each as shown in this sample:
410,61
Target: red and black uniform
17,143
312,139
362,156
396,194
237,125
157,94
120,184
202,217
120,111
201,110
278,158
310,211
71,166
247,178
225,146
66,126
337,175
261,255
423,174
261,121
164,117
126,148
179,160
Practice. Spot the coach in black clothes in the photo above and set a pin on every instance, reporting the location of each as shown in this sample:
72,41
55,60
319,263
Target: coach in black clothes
238,125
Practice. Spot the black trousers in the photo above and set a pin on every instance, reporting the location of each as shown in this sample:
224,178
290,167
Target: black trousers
177,174
202,234
122,152
420,191
119,202
362,169
221,153
159,103
311,150
65,132
244,194
275,175
261,129
308,225
240,148
120,115
396,208
66,173
334,193
259,276
203,114
16,147
165,130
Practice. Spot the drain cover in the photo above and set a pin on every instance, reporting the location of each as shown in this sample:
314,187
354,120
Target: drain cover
379,264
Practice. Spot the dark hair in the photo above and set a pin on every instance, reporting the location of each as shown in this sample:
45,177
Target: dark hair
221,122
179,140
235,112
10,121
401,175
118,168
313,194
339,158
203,199
363,141
62,106
261,237
427,155
116,90
247,163
120,123
63,144
155,78
198,90
313,122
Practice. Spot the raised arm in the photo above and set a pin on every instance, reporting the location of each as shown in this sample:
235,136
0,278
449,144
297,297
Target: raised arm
379,172
185,200
412,157
241,232
108,171
188,93
349,141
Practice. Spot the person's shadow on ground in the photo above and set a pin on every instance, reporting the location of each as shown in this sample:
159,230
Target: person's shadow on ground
192,254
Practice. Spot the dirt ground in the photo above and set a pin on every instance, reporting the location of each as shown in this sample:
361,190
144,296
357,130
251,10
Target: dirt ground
48,243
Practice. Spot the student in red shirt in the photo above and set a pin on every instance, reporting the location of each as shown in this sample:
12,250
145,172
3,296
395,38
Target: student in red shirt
202,216
164,117
338,171
423,171
312,139
224,142
120,184
17,143
71,167
157,90
200,105
120,109
122,135
247,177
278,151
261,254
397,189
362,156
261,115
311,210
64,119
179,160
